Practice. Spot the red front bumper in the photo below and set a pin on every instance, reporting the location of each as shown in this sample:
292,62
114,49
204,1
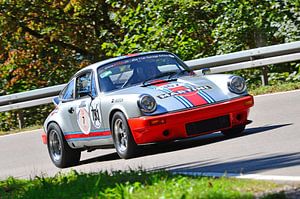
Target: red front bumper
172,126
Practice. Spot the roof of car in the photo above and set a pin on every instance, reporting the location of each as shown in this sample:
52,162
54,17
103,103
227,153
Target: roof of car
104,62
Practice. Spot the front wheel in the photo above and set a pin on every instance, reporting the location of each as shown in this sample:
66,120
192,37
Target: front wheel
233,132
61,154
123,140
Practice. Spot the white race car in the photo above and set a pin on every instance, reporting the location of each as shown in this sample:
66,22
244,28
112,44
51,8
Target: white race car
139,99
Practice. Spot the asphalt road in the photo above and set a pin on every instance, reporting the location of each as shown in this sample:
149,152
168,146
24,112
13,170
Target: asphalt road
270,146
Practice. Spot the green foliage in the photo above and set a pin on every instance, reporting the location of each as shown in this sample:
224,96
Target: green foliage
133,184
32,117
43,43
179,26
243,24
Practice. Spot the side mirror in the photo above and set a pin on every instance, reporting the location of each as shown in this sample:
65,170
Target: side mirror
205,71
56,101
84,93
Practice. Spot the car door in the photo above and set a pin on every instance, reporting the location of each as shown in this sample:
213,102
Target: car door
74,107
86,106
81,105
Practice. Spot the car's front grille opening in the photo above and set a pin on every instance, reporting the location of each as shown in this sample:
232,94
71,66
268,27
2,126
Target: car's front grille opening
203,126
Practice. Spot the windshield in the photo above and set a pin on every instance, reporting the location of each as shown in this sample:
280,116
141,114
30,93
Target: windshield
138,69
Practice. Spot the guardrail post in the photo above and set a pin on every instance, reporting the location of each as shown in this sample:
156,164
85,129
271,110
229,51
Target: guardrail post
20,118
264,76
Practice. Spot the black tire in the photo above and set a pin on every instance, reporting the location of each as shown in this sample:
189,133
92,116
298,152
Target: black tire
123,139
61,154
233,132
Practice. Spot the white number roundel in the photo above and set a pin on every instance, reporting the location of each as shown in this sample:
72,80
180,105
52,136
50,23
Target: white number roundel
84,121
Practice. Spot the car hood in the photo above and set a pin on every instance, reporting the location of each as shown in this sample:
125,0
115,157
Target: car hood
182,93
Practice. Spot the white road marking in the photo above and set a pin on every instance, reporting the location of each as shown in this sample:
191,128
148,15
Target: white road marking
278,93
242,176
23,132
270,177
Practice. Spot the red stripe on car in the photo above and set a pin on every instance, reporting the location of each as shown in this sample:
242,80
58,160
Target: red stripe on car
92,134
192,97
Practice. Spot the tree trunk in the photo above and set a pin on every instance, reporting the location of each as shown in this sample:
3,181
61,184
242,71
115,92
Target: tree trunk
260,41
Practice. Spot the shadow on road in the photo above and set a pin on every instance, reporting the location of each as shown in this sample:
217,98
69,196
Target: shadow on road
202,140
182,144
103,158
250,131
274,161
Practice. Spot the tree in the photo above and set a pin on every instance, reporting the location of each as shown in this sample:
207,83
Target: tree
44,42
179,26
244,24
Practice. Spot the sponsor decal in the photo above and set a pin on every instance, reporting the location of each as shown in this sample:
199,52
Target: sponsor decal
105,74
83,120
118,100
188,95
136,59
96,116
184,91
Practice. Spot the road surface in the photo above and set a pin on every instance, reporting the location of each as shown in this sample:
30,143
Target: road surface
270,146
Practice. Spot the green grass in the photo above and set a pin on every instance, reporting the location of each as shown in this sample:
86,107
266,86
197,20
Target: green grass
274,88
133,184
20,130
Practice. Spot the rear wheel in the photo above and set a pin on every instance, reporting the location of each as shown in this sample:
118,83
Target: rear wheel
233,132
61,154
123,140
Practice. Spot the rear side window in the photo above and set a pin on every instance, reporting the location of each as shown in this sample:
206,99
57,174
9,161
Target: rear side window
68,92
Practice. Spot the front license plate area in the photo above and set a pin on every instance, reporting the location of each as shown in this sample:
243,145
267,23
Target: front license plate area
208,125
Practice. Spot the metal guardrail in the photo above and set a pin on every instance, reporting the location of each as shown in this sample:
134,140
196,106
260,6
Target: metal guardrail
33,94
221,63
246,55
29,98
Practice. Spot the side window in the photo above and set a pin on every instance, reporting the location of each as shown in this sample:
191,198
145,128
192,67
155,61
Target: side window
68,92
83,85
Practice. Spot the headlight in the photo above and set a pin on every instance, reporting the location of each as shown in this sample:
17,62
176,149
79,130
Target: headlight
237,84
147,103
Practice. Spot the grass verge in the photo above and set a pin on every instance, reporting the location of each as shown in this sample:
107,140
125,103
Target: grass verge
275,88
132,184
30,128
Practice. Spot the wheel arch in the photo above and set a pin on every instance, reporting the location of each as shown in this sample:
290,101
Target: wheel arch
124,142
57,119
60,151
111,114
61,130
50,122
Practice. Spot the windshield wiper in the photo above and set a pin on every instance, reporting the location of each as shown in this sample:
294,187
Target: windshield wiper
179,73
169,74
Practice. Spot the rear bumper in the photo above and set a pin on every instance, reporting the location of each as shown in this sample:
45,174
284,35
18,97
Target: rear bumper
172,126
44,138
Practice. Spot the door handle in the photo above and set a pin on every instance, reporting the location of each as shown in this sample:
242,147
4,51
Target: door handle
71,110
